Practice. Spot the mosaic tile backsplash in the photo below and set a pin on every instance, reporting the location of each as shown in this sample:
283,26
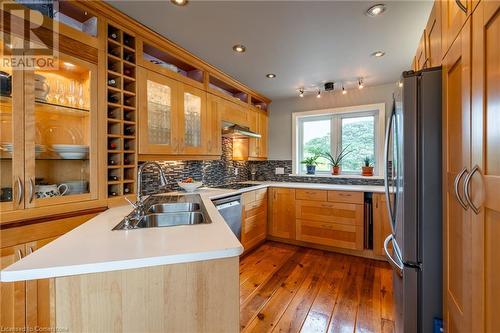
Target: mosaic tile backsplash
223,171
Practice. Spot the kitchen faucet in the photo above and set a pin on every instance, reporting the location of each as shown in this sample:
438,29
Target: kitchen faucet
139,204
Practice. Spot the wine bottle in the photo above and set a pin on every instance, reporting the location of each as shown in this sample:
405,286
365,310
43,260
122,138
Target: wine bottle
113,35
111,162
129,102
126,161
113,98
113,194
113,145
126,190
112,82
127,71
128,116
129,130
128,57
113,178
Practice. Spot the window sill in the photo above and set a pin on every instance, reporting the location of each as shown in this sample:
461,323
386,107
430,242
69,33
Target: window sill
350,176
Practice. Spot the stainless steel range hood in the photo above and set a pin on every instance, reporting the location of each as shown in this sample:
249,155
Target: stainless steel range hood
236,131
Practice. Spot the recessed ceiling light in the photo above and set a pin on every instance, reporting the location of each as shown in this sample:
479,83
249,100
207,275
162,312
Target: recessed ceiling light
270,76
68,64
376,10
179,2
239,48
378,54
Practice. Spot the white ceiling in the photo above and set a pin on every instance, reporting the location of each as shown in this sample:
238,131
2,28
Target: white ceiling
303,42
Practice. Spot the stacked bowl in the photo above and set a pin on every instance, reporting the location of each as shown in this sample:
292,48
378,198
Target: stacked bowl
71,152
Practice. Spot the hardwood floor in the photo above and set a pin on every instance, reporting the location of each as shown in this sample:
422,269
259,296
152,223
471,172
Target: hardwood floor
285,288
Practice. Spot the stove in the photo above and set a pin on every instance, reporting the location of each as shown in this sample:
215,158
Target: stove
235,186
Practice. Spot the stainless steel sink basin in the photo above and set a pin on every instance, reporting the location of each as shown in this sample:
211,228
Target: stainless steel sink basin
174,207
171,219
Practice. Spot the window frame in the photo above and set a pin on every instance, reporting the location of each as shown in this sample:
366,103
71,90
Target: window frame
336,115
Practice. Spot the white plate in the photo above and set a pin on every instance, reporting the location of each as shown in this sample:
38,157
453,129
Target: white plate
72,156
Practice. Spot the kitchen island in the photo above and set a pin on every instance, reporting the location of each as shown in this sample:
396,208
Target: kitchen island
183,278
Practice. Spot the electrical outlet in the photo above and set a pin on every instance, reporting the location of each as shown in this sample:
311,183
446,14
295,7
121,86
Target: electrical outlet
280,171
236,171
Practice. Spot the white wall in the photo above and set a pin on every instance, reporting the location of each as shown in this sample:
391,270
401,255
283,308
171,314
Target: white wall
280,119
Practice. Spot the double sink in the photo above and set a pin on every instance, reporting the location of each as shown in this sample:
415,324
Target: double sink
166,211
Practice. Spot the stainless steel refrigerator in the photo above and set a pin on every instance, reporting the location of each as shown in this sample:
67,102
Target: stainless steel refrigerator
413,159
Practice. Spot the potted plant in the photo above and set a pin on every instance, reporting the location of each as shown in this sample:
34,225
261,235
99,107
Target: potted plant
336,160
311,163
367,168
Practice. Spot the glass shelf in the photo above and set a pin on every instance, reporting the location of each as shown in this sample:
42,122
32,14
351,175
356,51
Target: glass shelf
49,107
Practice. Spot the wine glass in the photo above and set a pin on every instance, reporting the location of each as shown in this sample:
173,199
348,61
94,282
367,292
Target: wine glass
81,101
71,93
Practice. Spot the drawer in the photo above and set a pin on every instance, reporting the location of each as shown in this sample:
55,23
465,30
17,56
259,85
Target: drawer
346,196
254,208
247,197
260,194
318,195
331,234
254,230
334,212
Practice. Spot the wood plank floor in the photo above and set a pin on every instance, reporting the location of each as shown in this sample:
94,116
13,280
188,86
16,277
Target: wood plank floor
285,288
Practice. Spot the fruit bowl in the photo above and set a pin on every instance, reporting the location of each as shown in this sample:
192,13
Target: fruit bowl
190,187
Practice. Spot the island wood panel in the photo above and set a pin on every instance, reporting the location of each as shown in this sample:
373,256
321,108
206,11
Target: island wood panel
317,291
189,297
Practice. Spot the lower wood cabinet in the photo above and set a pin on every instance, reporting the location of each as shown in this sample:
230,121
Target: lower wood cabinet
254,218
26,305
381,223
330,223
282,213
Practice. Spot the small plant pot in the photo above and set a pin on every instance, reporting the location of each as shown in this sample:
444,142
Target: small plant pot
336,170
367,171
311,169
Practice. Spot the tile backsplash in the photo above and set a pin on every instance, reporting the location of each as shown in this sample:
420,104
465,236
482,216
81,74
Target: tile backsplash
223,171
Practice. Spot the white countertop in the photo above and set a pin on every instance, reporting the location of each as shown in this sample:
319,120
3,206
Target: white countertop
94,247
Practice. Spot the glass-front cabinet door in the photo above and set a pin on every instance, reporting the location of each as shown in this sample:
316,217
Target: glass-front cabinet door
158,119
61,133
11,135
193,109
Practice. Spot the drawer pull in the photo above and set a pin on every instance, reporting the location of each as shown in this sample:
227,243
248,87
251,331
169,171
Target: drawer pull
344,195
326,226
19,254
326,205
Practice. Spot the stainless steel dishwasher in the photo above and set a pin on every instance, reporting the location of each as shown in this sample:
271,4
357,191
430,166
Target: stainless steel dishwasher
230,209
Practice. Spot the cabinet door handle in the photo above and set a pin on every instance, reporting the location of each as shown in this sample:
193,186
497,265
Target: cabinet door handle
467,189
32,190
457,192
19,254
461,6
20,190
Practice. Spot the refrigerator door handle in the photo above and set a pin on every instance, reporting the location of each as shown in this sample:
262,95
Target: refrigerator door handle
386,176
458,178
396,265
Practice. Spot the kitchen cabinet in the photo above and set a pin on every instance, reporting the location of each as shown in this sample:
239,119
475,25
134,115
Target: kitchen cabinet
281,222
381,223
454,13
433,36
258,147
214,127
173,118
254,218
233,112
49,134
333,223
25,303
158,113
482,186
421,54
457,228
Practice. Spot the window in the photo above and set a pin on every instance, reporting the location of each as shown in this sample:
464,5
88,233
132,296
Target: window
359,130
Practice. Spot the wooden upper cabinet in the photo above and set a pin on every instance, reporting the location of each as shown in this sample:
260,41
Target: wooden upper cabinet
457,247
485,155
282,213
421,54
193,136
233,113
258,148
13,309
453,16
214,126
433,32
158,113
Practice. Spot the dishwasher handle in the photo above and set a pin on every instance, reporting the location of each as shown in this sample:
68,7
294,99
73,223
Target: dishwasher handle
227,205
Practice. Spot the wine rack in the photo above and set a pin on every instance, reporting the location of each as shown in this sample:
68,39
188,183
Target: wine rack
122,112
